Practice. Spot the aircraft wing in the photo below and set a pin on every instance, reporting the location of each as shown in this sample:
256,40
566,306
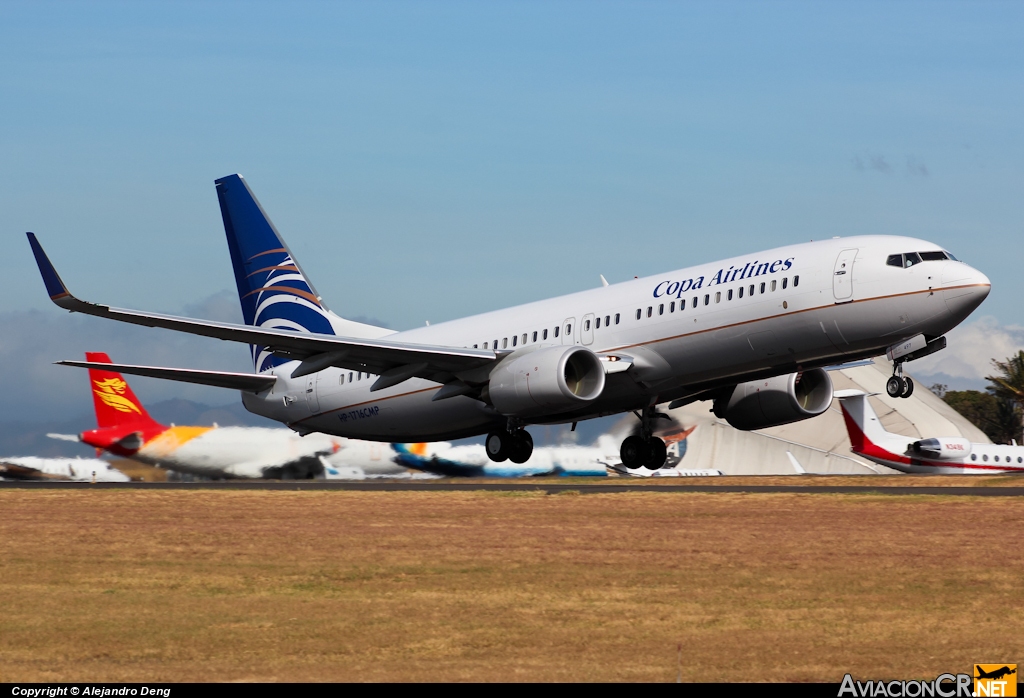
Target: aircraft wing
393,361
247,382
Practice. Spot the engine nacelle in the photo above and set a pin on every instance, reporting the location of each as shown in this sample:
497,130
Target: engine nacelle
546,381
779,400
943,448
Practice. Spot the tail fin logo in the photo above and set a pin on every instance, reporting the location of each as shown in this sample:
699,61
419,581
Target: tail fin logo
111,392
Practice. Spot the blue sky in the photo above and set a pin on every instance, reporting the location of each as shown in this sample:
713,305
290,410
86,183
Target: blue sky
431,160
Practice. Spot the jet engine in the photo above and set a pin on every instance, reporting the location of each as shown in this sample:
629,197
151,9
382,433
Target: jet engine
546,381
774,401
951,448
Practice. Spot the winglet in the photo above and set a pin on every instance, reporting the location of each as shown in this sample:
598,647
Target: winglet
54,286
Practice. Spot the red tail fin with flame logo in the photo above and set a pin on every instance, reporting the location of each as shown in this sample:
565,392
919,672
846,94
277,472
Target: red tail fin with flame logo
115,403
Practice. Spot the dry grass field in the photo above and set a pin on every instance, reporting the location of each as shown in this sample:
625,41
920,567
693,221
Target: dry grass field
181,585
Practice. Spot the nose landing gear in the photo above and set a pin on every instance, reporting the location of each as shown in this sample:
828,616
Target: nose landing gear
514,444
644,449
898,385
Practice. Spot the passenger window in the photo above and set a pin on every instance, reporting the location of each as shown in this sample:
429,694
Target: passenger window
661,309
638,313
773,285
729,295
586,325
796,281
350,377
974,456
524,338
672,307
475,346
514,338
495,345
556,332
707,299
544,335
616,318
341,379
607,318
650,311
996,459
535,335
751,292
911,258
485,345
784,281
985,457
597,323
695,301
718,296
740,292
504,343
568,330
762,287
894,260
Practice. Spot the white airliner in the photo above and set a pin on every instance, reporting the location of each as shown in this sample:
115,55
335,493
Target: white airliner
751,333
72,469
944,454
126,429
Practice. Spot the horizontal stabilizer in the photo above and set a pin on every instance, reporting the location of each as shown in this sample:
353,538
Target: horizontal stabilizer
246,382
64,437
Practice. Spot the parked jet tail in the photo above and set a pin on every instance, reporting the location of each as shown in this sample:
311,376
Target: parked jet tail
115,402
273,289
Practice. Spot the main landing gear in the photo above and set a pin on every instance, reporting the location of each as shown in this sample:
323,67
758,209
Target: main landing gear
898,386
514,444
644,449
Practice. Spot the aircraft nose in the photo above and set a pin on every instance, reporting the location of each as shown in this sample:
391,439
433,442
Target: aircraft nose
964,288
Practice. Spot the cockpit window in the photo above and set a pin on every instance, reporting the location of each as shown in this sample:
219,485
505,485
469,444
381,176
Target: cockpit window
909,259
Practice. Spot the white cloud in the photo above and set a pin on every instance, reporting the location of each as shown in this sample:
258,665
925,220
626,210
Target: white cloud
33,388
970,350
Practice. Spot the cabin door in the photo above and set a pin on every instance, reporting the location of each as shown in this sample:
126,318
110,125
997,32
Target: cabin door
587,330
842,276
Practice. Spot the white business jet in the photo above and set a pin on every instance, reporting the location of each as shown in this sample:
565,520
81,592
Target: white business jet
752,333
944,455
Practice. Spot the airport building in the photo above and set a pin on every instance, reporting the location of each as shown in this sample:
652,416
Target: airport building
819,444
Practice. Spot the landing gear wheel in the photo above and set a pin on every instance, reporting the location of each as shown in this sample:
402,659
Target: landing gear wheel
633,452
521,447
497,445
908,387
656,454
894,386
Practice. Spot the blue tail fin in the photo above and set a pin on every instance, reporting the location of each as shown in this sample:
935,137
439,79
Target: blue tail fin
272,288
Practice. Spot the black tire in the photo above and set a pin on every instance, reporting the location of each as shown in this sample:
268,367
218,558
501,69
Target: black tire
496,445
521,447
908,387
894,386
657,453
633,452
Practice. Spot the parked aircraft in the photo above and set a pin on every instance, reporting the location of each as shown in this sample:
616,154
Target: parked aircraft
946,455
752,333
442,458
72,469
126,429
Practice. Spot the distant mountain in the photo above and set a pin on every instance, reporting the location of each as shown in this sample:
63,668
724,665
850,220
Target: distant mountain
29,438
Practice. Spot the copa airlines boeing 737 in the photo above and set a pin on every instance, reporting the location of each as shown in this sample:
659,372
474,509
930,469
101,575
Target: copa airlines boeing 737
943,455
751,333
